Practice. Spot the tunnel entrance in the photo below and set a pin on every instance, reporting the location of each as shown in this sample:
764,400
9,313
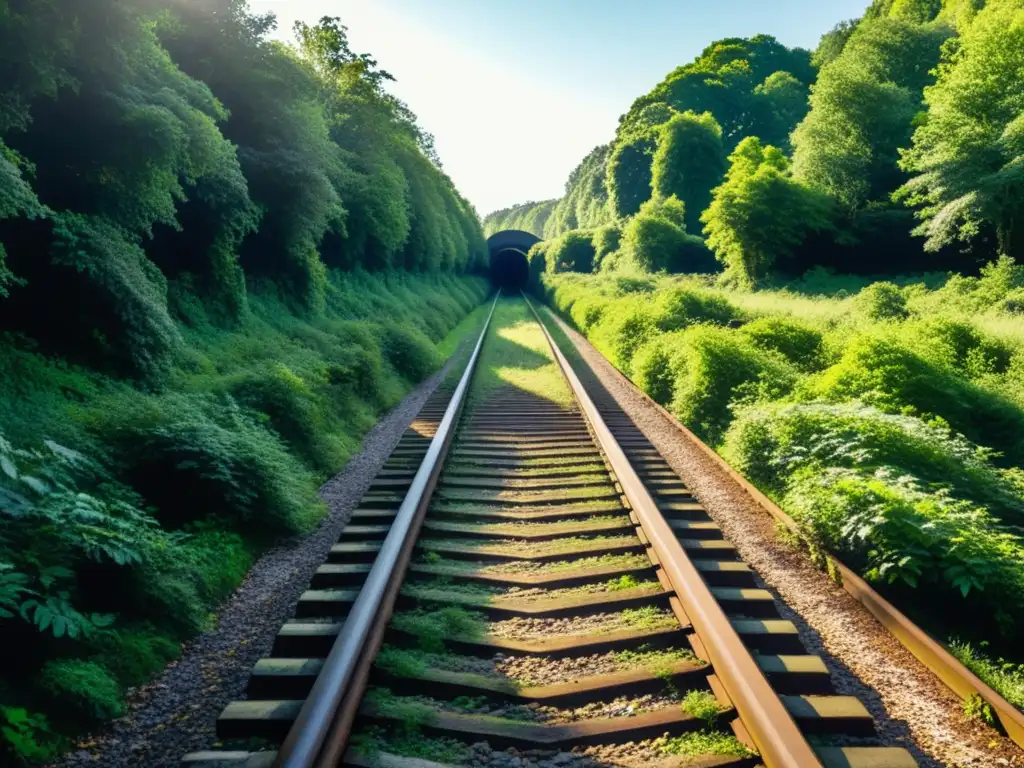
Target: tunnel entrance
510,269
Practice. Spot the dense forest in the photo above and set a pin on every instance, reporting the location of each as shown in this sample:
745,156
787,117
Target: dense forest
895,146
815,260
221,258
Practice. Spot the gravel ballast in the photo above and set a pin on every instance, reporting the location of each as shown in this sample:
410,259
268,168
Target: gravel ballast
911,707
177,713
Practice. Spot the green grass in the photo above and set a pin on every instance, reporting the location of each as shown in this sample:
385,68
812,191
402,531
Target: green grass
703,743
703,705
516,355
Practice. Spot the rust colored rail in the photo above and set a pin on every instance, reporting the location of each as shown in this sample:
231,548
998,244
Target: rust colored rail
321,729
926,649
770,725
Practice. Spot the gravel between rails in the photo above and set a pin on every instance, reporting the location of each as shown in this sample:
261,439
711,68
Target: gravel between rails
177,713
911,707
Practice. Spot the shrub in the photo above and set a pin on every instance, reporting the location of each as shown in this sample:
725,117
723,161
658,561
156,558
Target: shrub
800,344
882,301
884,372
715,367
538,260
653,371
87,690
769,443
289,405
177,588
606,241
959,345
626,327
654,242
133,654
193,456
898,532
409,351
679,307
572,252
587,312
1013,302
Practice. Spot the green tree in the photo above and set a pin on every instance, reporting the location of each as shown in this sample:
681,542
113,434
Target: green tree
968,154
572,252
862,111
655,240
629,172
689,162
723,80
585,203
833,42
760,214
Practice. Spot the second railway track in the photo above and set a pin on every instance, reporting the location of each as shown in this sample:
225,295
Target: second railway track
561,599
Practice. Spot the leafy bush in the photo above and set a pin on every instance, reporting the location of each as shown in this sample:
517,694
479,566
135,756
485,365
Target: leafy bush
959,345
898,532
679,307
133,654
883,372
770,443
606,241
799,343
715,367
882,301
193,455
410,352
572,252
653,370
1013,302
655,240
587,312
85,688
627,326
27,736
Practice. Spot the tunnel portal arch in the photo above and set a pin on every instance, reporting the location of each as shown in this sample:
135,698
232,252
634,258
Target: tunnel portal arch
510,270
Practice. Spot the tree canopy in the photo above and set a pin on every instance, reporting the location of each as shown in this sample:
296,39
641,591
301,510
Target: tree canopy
206,157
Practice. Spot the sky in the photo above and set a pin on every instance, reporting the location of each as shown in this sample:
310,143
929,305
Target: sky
517,92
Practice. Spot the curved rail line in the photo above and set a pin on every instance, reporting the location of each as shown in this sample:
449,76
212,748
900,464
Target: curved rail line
523,510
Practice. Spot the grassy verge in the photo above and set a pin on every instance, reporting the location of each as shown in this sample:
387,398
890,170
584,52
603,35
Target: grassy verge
886,418
516,355
130,511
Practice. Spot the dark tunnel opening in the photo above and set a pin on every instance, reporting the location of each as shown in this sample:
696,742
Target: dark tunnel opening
509,270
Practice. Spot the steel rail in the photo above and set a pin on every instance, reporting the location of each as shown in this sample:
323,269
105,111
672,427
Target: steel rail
932,654
761,711
318,736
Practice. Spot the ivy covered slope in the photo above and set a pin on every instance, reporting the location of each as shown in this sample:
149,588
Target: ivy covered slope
221,258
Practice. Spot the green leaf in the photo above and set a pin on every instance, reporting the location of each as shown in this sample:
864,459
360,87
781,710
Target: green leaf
8,466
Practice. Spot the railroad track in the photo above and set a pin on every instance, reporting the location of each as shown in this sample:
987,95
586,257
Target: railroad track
528,583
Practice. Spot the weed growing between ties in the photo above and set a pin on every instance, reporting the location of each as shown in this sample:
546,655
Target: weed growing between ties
517,355
885,418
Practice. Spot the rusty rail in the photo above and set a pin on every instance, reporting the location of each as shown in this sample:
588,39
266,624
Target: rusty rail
321,730
957,677
769,724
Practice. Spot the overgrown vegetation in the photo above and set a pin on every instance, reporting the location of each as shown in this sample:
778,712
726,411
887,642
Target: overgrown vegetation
885,418
221,259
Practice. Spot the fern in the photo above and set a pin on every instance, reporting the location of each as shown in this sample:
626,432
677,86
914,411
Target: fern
13,586
59,616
